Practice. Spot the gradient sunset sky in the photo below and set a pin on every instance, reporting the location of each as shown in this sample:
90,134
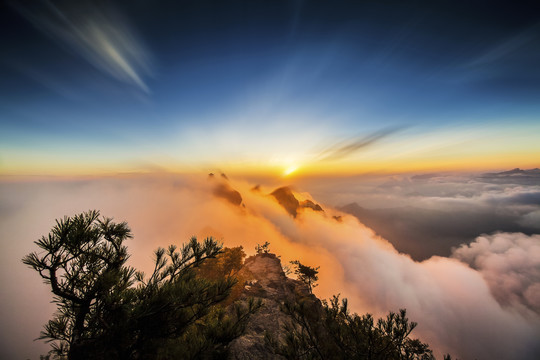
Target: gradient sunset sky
433,100
268,87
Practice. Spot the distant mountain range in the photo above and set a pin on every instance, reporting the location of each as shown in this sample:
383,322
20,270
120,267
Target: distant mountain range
514,176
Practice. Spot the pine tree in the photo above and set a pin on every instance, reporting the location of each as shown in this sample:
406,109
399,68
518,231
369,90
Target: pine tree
332,332
106,309
306,274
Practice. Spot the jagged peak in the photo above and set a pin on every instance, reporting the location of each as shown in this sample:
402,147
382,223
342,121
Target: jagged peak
285,197
225,191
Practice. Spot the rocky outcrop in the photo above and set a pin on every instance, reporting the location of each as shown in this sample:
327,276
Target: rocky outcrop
311,205
286,199
224,190
289,202
269,283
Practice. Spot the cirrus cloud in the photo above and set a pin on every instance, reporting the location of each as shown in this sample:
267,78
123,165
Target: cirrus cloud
98,34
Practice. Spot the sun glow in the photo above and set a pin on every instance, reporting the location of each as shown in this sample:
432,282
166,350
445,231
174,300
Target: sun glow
291,169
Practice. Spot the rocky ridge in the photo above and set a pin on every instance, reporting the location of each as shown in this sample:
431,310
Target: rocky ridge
269,283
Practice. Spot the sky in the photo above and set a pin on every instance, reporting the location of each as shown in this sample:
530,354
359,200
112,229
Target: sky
268,87
413,124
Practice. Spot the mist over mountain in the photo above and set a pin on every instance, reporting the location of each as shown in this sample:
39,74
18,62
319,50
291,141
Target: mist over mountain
430,214
422,232
460,292
285,197
223,189
393,144
514,176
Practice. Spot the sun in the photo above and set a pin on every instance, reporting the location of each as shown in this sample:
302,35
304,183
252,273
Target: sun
290,170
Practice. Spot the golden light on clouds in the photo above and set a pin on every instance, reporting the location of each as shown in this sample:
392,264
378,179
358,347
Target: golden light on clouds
289,170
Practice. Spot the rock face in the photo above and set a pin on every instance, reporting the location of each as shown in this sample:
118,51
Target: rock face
226,192
289,202
268,283
285,198
311,205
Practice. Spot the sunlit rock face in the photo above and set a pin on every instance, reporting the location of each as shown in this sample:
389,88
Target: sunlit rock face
285,198
224,190
311,205
289,202
270,284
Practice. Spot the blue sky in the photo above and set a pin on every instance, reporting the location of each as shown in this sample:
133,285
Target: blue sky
134,82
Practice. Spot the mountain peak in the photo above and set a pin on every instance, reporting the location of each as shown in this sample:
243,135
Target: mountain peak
267,282
287,200
285,197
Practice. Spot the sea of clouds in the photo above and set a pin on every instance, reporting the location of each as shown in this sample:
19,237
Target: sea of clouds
480,302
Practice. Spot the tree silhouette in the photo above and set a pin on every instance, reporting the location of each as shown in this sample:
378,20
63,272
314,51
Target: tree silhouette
306,274
263,249
332,332
83,260
109,310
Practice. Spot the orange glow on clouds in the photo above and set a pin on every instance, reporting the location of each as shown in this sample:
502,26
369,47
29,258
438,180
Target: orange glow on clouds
354,261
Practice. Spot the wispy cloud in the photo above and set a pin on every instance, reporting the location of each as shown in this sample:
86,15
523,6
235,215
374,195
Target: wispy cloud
100,35
348,147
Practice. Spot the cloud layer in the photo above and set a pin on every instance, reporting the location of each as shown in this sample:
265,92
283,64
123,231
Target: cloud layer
510,264
453,299
429,214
